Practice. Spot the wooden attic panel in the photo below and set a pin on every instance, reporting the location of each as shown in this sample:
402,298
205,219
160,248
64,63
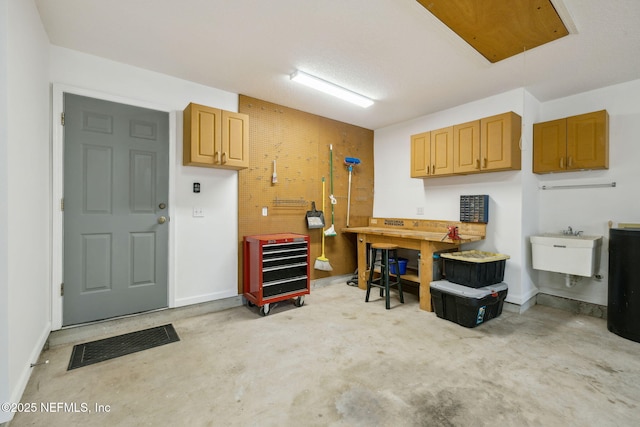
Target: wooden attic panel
499,29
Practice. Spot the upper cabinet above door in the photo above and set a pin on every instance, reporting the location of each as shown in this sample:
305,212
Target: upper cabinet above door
215,138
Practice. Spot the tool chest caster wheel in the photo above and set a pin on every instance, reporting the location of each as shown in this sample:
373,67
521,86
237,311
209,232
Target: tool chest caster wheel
264,310
299,302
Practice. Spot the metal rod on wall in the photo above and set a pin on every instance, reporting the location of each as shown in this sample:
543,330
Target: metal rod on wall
562,187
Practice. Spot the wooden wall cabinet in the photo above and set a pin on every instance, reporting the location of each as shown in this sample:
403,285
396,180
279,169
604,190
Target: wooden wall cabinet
500,142
486,145
215,138
421,155
573,143
466,147
432,153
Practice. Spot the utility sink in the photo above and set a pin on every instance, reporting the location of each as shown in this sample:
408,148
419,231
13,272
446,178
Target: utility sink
568,254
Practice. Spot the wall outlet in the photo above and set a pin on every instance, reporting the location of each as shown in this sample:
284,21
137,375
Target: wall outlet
198,212
264,211
420,211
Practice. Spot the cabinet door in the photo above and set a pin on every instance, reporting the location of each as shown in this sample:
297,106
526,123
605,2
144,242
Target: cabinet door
466,147
202,135
235,141
550,146
588,141
420,155
442,151
500,142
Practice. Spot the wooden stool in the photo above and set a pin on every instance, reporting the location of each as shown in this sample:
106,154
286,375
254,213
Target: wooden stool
383,282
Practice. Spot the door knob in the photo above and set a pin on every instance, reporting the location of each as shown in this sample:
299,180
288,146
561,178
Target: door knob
162,220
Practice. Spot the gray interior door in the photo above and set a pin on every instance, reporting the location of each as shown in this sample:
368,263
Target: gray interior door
116,167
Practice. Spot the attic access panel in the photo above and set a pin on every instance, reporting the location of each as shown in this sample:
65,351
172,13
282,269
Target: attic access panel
499,29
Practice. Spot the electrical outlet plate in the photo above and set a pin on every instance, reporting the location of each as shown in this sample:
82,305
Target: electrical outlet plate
198,212
420,211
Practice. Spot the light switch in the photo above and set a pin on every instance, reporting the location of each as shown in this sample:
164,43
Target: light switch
264,211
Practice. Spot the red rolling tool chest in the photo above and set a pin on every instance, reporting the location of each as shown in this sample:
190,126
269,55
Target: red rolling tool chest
276,268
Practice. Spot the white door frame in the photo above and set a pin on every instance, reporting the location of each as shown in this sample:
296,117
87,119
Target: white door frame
57,187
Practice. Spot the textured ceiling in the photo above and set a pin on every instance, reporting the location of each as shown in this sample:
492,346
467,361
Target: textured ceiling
393,51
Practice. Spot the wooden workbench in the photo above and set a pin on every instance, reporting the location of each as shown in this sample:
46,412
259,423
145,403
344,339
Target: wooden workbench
426,236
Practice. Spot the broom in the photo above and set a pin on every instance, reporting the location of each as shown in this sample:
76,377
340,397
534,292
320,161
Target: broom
331,231
322,262
350,162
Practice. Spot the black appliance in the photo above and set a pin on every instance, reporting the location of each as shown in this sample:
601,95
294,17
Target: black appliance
623,314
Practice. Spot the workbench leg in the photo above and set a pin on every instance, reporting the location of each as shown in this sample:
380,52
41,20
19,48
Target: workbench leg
427,248
426,273
362,261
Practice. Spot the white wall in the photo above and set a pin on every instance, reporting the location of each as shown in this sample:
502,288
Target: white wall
5,390
530,195
591,209
25,198
398,195
203,262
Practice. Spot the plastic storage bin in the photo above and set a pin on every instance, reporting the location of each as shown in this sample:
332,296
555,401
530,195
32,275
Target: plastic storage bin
402,266
474,268
468,307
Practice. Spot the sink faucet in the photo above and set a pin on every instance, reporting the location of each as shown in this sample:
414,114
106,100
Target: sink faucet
569,232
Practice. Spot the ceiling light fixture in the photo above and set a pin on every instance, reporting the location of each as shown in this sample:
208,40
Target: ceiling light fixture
331,89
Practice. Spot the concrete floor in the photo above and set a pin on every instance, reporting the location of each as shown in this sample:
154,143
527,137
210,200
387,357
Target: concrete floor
340,362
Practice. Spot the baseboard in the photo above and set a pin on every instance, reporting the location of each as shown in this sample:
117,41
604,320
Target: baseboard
17,392
574,306
217,296
519,308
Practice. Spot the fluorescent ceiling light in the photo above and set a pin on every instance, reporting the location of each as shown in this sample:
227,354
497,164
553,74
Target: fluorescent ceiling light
331,89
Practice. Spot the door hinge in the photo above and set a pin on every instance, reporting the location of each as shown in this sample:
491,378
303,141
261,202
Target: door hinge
61,289
62,204
62,119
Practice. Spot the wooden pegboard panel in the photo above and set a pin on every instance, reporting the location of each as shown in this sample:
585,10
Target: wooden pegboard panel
299,143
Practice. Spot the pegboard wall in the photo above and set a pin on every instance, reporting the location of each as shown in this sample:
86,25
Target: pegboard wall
299,143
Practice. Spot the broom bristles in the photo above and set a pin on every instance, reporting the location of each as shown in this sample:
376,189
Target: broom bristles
323,264
330,232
